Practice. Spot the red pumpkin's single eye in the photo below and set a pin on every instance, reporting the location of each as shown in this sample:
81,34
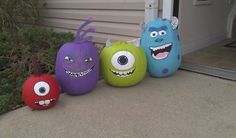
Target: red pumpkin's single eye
41,88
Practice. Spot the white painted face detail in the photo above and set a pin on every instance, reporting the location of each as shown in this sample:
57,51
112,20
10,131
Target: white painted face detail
161,52
45,102
123,60
123,73
68,59
154,34
162,32
79,74
41,88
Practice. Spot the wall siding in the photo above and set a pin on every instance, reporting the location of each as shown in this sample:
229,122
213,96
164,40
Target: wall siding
113,19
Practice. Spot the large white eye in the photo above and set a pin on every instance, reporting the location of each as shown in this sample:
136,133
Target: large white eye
154,34
41,88
68,59
162,32
123,60
88,60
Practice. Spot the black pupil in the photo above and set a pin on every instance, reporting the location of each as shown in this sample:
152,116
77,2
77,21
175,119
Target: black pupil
42,90
89,59
122,60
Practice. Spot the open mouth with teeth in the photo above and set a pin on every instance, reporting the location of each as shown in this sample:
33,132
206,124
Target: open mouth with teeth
161,52
79,74
123,73
45,102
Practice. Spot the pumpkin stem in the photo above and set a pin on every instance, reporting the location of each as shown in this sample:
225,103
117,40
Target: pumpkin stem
36,70
87,31
80,37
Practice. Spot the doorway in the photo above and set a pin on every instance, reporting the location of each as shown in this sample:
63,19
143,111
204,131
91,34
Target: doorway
176,8
234,28
218,59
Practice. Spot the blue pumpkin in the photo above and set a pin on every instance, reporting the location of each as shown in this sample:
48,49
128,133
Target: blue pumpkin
160,41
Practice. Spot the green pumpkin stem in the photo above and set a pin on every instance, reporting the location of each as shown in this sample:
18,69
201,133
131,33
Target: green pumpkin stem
36,70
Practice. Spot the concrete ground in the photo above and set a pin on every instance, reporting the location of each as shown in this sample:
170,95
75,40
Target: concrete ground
187,105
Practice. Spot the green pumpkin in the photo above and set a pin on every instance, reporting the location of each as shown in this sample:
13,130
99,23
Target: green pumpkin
123,64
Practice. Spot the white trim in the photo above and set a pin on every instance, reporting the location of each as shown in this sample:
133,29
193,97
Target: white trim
151,10
168,9
230,21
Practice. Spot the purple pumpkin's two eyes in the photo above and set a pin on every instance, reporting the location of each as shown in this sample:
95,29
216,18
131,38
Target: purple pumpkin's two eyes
70,60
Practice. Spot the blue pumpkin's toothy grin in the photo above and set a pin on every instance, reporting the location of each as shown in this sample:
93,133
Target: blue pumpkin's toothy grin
79,74
123,73
161,52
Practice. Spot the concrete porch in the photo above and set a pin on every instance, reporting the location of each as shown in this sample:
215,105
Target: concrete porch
187,105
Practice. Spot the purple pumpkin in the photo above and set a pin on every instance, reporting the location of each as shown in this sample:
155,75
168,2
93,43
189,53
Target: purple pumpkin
77,63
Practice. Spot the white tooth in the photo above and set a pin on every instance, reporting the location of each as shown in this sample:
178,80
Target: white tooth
41,102
161,47
47,101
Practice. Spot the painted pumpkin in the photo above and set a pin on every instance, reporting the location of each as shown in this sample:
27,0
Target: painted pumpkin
123,64
40,91
77,63
161,44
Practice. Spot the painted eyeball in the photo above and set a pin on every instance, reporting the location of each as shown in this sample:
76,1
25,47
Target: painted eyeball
41,88
154,34
88,60
162,32
123,60
68,59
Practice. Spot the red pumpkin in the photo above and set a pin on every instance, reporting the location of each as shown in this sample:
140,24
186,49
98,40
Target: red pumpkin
40,91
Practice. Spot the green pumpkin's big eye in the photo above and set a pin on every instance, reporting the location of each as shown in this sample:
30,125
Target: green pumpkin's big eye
123,60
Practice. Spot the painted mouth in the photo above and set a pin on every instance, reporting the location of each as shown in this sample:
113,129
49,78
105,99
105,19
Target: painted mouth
79,74
161,52
123,73
45,102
